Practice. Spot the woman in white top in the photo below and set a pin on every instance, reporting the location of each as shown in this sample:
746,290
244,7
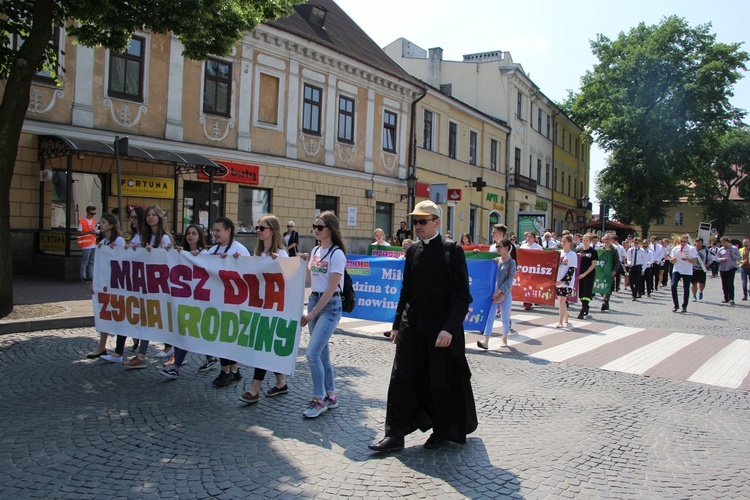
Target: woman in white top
565,278
111,234
224,232
153,234
326,266
379,236
194,241
270,244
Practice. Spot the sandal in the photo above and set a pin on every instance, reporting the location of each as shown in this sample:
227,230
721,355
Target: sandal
559,325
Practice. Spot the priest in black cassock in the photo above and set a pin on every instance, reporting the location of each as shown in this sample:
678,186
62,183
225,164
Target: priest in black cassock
430,384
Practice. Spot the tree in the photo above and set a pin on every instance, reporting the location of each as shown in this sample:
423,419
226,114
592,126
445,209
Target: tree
203,26
654,100
716,186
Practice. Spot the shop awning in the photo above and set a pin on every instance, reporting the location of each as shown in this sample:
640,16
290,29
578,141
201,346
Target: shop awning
55,146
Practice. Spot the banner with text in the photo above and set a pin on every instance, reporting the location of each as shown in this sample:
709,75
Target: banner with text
385,251
536,277
377,283
246,309
603,279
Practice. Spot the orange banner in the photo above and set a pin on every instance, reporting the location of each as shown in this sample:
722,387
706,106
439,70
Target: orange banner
536,276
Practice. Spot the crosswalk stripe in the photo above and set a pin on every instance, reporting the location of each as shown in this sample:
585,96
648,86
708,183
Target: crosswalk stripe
727,368
648,356
579,346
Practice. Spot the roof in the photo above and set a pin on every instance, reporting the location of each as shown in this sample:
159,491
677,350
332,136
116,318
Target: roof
342,34
610,224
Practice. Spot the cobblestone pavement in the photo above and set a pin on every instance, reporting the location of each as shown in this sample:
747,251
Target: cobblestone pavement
76,428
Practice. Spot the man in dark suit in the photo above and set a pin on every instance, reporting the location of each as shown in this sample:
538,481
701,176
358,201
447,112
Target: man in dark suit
430,384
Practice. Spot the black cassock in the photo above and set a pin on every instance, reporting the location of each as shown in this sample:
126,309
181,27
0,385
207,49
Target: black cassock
431,386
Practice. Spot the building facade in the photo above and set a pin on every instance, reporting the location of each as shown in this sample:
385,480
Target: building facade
306,114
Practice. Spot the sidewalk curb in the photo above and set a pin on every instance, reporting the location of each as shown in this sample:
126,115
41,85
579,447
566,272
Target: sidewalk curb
33,325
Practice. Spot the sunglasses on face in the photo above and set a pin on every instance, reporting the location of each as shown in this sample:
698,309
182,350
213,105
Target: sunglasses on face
318,227
260,229
422,222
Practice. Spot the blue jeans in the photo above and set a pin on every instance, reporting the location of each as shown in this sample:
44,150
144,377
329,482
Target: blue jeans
87,263
744,273
505,306
318,355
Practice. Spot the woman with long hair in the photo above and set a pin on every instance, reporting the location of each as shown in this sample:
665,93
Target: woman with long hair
152,234
194,242
224,232
565,279
270,245
291,239
586,278
113,236
379,237
325,267
502,297
136,217
465,239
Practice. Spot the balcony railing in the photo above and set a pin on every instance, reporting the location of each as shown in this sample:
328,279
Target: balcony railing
519,181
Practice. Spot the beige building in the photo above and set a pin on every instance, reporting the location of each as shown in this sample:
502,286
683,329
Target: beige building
571,176
306,114
461,164
686,218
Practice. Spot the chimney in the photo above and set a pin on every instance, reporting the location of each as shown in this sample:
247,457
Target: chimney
435,59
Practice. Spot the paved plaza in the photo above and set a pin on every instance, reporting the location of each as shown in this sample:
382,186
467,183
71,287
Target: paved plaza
77,428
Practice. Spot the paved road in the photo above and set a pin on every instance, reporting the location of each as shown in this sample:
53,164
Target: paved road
74,428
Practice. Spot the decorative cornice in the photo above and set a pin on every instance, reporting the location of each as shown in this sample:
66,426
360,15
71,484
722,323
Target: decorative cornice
215,134
390,161
345,151
125,116
35,101
311,144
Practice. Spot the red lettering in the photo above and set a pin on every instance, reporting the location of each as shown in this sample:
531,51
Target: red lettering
176,275
235,290
105,313
253,284
139,278
119,275
201,293
118,307
158,278
274,293
131,309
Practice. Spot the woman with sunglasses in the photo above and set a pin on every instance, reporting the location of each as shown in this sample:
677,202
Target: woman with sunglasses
112,236
502,298
194,242
154,233
325,268
270,245
291,239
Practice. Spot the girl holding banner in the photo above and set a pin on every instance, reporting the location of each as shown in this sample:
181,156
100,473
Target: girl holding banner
112,236
153,234
325,266
565,278
270,244
503,297
194,241
223,230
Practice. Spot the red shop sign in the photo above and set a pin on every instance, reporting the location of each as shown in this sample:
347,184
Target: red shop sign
235,172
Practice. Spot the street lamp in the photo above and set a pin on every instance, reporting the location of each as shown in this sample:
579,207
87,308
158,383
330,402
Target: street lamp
585,206
411,184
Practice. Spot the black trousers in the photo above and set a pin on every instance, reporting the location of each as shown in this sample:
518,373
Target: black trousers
646,285
635,276
685,278
655,270
727,283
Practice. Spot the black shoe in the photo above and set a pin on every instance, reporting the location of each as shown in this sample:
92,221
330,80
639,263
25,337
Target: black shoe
387,334
276,391
96,356
674,309
434,442
388,443
684,309
224,379
237,376
633,298
136,343
581,315
482,345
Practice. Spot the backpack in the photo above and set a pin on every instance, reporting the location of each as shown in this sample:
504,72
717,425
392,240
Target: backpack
348,297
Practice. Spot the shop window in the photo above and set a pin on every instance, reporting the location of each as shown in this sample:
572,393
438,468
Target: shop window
253,204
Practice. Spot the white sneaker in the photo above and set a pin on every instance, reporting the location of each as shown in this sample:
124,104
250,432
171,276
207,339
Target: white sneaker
316,408
111,359
165,354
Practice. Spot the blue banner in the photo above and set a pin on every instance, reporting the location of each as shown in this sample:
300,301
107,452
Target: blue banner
377,283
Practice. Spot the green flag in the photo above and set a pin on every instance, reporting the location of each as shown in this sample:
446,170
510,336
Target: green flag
603,280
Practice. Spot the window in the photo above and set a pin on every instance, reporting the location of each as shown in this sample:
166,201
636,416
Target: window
126,71
570,143
660,221
556,132
581,189
546,175
268,107
346,120
561,186
539,120
326,203
519,105
195,197
735,220
563,139
92,193
253,204
389,131
311,104
538,171
493,155
531,114
576,147
679,219
472,147
549,121
217,87
452,138
384,218
570,177
518,161
530,167
427,131
45,75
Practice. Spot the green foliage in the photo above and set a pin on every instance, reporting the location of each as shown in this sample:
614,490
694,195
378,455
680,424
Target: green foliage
654,101
204,27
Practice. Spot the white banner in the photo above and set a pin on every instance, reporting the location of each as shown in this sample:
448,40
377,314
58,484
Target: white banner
246,309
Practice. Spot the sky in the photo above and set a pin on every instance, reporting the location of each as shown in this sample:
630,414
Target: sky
550,39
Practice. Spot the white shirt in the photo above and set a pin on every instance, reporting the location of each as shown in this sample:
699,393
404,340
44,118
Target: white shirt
683,252
235,247
533,246
648,258
324,262
567,261
119,241
658,251
549,244
621,252
636,256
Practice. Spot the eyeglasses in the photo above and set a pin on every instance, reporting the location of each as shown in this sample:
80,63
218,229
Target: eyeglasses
290,226
318,227
683,241
92,213
260,229
422,222
133,217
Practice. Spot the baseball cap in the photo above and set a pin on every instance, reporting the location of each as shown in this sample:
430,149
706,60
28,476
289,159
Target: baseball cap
426,208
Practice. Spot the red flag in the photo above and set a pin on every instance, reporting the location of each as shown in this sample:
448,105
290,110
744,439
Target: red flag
536,277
